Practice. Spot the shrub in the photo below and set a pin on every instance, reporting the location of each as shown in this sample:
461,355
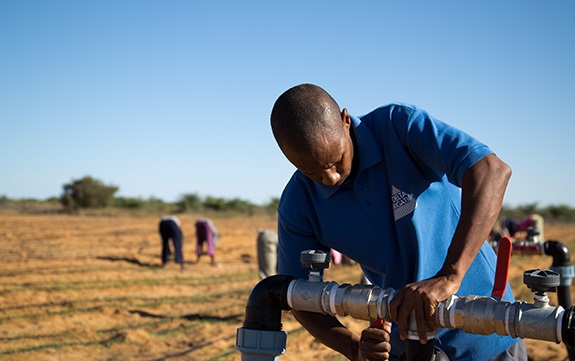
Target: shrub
87,193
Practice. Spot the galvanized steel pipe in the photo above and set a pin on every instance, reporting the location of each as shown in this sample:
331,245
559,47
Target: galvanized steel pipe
472,314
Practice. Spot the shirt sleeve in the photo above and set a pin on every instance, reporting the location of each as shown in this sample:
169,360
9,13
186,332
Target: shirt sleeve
295,233
438,146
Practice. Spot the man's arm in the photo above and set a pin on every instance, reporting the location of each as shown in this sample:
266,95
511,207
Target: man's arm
329,331
373,344
483,189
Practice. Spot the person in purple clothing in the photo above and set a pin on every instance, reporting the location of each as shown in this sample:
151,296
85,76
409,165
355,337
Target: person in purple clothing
206,233
410,198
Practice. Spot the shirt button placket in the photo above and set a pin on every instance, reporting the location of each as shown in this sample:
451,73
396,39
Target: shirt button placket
362,196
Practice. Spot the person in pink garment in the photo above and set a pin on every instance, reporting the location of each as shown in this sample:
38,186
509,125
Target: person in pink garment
206,233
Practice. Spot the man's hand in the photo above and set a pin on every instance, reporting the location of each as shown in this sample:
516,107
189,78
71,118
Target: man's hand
421,297
374,343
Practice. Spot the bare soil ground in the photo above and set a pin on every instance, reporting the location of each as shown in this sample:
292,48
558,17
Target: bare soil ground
91,288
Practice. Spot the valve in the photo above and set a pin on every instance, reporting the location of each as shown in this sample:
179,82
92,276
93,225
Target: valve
316,261
541,282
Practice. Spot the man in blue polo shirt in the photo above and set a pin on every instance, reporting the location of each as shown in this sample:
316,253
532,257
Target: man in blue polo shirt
410,198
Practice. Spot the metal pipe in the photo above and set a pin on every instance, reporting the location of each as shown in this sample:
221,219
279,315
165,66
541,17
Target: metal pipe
261,337
472,314
485,315
561,264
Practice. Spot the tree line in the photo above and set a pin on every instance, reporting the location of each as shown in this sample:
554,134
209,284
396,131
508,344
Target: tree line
91,193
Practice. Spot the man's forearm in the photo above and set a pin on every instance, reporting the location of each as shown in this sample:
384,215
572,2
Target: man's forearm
483,190
329,331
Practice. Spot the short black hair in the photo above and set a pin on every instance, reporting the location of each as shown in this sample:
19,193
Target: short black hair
301,114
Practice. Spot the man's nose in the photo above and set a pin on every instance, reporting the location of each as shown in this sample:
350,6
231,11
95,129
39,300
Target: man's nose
330,177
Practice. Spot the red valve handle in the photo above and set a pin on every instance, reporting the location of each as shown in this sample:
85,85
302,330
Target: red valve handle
502,270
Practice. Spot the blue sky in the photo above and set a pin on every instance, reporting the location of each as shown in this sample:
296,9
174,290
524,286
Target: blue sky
163,98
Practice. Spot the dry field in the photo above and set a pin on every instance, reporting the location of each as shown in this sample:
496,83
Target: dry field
90,288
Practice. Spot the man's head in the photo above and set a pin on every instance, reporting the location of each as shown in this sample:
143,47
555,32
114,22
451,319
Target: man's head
314,134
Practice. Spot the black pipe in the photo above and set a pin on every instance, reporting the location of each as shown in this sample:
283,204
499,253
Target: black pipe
568,330
266,302
561,258
559,252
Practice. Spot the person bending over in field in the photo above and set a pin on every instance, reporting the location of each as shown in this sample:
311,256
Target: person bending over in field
206,233
170,228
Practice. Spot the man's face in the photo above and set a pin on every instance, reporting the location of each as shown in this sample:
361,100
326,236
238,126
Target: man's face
330,160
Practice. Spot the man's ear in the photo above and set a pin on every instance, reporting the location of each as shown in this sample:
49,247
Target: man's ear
345,118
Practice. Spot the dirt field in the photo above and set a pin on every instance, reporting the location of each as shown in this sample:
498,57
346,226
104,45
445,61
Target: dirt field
91,288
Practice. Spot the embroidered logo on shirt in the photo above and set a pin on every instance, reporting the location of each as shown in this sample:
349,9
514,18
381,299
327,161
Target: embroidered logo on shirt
403,203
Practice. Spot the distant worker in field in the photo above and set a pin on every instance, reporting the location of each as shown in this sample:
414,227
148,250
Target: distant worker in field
206,233
537,224
267,246
529,228
170,228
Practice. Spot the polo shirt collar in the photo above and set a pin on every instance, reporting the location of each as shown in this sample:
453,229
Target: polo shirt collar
368,151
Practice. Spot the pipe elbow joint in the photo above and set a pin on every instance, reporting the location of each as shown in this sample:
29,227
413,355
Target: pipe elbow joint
266,302
559,252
